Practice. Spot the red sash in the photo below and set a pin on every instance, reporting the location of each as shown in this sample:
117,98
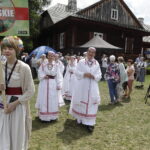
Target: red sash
13,91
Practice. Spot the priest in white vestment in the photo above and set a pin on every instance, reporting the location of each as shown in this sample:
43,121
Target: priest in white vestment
86,96
50,83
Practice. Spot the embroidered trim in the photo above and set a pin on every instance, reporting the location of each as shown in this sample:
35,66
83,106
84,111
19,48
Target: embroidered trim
83,115
83,102
65,95
48,113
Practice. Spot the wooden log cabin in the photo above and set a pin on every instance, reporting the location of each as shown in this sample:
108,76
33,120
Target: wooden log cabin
65,27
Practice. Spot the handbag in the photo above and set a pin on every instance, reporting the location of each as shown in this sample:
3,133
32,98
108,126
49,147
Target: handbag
13,99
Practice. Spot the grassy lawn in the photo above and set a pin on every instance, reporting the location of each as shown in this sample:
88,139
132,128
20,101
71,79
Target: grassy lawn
125,126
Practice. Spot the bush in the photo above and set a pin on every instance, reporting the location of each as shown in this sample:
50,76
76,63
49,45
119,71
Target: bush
148,70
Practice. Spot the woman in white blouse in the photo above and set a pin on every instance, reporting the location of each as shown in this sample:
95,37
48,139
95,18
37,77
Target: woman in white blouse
15,119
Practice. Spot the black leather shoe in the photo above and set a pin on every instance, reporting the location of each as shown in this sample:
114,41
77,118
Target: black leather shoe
90,128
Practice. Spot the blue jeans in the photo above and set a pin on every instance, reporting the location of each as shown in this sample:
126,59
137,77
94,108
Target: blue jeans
112,90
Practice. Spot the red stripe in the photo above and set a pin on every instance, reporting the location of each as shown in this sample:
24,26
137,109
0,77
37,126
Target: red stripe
21,13
67,96
49,113
17,13
84,102
84,115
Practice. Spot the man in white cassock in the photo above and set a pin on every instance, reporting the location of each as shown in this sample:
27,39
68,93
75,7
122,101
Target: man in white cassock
86,96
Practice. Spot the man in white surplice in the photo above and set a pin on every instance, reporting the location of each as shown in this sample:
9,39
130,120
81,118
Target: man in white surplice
86,96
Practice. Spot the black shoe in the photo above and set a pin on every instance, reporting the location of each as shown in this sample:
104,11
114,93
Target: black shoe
53,121
43,121
90,128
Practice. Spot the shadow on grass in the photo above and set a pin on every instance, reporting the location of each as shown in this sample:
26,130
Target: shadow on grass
72,131
109,107
37,124
126,100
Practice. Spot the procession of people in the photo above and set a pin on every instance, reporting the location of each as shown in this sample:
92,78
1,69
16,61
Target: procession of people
72,78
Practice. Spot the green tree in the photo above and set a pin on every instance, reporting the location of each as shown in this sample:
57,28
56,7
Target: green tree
35,9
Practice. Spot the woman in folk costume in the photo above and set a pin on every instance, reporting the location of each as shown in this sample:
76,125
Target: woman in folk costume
61,68
69,79
50,83
86,96
15,119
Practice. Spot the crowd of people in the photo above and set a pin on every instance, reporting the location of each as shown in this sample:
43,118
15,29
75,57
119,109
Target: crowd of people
119,75
71,78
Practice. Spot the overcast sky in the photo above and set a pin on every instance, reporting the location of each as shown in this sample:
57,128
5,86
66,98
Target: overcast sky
141,8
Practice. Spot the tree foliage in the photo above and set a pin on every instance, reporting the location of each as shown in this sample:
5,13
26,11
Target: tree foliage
35,9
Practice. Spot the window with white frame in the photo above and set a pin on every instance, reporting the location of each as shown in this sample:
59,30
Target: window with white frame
114,14
61,40
99,34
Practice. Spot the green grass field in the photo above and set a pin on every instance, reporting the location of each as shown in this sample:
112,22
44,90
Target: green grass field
125,126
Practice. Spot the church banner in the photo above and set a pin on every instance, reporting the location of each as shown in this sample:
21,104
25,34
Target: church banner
14,17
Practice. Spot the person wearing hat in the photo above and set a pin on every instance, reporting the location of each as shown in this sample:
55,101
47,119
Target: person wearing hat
86,96
50,83
15,118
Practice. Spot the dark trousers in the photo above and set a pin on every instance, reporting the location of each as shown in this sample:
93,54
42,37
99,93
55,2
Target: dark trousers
103,72
34,73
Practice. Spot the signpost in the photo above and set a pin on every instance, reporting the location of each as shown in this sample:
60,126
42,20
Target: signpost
14,17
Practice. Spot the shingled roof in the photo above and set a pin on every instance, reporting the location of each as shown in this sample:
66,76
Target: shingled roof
146,38
59,12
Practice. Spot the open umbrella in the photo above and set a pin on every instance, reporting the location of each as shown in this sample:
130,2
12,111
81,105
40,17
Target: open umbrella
99,43
41,50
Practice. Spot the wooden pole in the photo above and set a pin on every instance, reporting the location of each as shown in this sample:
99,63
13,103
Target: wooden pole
2,81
